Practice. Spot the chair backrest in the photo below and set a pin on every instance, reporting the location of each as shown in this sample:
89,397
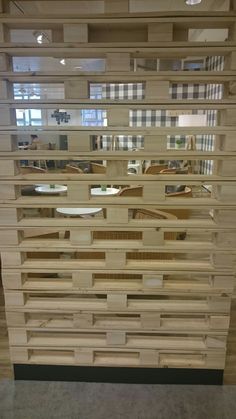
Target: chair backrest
181,213
187,193
166,171
131,191
155,168
97,168
32,169
72,169
142,213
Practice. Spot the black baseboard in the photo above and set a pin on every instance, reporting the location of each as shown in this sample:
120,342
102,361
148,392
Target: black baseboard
118,375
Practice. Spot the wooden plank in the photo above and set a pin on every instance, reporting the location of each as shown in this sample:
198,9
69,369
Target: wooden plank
116,6
79,142
111,104
10,237
9,167
137,49
160,33
76,89
117,61
82,279
8,142
80,237
141,322
115,302
224,76
75,32
157,90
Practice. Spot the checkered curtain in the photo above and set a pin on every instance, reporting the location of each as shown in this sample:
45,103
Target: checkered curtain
122,142
160,118
188,91
213,91
123,91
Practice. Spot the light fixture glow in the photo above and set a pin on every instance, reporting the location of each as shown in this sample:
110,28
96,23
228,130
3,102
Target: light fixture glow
39,38
63,61
192,2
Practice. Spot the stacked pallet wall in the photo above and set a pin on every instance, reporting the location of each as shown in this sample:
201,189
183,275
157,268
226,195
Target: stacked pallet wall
74,300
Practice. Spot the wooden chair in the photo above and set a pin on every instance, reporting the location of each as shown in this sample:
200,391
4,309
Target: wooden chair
181,213
97,168
187,193
155,168
131,191
166,171
72,169
32,169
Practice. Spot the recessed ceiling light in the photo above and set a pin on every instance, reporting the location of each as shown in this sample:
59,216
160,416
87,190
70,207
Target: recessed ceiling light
63,61
79,66
192,2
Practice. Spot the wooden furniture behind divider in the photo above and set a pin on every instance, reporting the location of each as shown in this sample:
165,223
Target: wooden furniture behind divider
155,168
71,169
32,169
97,168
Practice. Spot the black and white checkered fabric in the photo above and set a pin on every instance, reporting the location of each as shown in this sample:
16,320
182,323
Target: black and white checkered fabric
213,91
160,118
151,118
122,142
214,63
188,91
123,91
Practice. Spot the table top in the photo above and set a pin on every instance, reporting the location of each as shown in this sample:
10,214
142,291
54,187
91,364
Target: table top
109,191
47,190
78,211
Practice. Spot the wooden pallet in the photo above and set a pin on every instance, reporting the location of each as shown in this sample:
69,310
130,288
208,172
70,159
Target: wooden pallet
119,358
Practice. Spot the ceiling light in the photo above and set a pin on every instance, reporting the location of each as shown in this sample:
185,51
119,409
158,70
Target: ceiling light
63,61
192,2
79,66
41,37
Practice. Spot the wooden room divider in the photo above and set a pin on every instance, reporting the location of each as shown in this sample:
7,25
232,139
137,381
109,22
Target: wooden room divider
142,278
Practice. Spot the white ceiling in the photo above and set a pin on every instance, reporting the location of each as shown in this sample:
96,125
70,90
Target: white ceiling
61,7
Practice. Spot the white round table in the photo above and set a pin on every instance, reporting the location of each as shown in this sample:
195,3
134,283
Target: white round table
109,191
78,211
45,189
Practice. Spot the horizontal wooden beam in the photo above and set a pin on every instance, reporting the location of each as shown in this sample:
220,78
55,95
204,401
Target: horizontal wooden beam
121,130
87,179
137,50
118,155
193,179
71,223
124,104
177,246
119,77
